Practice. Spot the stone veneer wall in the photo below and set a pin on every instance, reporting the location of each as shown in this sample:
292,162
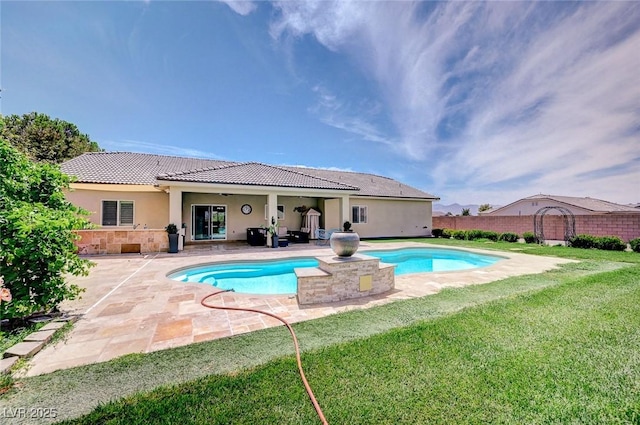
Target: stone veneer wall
337,279
111,241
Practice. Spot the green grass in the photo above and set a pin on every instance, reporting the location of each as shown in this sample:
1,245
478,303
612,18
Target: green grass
566,354
9,338
557,347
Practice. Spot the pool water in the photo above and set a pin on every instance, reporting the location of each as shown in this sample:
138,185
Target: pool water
278,276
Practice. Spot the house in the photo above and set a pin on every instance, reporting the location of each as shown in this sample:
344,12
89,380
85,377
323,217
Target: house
578,206
220,200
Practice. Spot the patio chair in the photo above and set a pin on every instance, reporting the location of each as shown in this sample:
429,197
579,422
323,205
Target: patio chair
322,236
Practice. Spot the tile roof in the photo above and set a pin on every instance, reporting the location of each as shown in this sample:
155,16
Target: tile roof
256,174
131,168
590,204
369,184
587,203
151,169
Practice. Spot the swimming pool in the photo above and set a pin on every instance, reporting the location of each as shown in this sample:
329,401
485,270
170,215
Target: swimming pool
278,276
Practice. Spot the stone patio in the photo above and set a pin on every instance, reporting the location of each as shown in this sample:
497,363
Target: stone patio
130,306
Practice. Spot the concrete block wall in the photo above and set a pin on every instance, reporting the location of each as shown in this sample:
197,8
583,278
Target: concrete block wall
109,241
339,279
625,226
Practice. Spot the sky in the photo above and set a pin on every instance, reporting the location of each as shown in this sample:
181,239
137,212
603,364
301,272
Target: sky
474,102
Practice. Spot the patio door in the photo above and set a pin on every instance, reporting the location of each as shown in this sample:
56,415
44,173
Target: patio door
208,222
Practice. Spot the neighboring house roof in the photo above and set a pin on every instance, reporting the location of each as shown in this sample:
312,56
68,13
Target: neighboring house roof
590,204
150,169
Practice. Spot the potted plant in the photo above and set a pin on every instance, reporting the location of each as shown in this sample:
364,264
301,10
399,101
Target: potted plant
273,232
172,232
346,242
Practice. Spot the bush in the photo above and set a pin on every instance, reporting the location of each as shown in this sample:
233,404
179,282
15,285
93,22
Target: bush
635,244
529,237
610,243
482,234
37,251
583,241
492,236
508,237
437,233
459,234
447,233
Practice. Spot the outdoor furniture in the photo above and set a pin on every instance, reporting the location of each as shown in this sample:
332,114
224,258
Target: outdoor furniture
323,236
283,234
298,236
256,236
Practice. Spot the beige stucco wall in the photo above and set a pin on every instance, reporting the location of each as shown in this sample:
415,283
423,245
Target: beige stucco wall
332,214
394,218
386,217
149,208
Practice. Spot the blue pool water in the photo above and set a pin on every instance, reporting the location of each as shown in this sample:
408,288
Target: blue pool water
278,277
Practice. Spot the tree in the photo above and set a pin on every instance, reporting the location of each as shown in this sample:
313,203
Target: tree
466,211
44,139
484,207
37,248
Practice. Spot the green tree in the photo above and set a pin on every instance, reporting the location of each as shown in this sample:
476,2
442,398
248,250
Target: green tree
466,211
484,207
44,139
37,248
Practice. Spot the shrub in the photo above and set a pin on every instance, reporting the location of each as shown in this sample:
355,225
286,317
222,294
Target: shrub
488,234
459,234
635,244
610,243
37,251
529,237
437,233
447,233
508,237
583,241
473,234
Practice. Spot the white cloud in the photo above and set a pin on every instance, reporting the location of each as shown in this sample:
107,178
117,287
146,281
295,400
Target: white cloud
241,7
354,119
512,98
150,147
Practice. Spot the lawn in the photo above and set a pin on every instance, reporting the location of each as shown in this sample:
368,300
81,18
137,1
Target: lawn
558,347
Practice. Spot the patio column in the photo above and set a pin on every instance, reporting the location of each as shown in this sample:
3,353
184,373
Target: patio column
175,212
345,210
272,211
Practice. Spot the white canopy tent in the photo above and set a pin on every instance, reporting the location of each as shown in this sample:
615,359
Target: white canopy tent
310,222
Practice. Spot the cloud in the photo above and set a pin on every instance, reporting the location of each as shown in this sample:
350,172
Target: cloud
241,7
160,149
512,98
355,119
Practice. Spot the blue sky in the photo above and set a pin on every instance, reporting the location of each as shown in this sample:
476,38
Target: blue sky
475,102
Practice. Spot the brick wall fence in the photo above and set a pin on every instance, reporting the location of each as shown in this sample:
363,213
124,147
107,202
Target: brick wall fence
625,226
107,241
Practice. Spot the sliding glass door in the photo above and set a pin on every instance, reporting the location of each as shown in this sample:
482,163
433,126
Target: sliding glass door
208,222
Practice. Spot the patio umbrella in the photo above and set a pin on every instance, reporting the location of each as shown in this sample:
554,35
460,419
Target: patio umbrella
310,222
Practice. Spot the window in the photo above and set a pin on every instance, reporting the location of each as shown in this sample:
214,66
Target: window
280,212
358,214
117,213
